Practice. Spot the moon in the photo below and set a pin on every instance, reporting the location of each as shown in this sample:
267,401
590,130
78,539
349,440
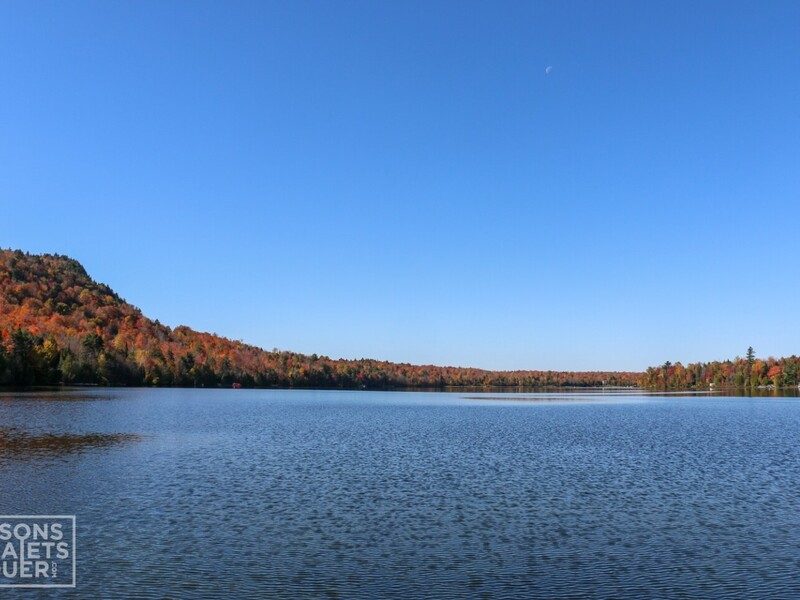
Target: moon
548,70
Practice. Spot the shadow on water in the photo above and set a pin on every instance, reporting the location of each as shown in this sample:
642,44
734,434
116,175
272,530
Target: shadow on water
21,444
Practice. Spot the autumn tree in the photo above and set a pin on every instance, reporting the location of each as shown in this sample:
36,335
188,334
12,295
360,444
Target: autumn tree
57,325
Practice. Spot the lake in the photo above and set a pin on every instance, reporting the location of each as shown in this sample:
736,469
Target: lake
340,494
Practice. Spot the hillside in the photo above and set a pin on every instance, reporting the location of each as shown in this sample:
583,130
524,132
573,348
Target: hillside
57,325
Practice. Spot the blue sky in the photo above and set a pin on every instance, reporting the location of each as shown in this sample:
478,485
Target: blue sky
403,181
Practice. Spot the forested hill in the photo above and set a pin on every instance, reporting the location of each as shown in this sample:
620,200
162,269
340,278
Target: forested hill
57,325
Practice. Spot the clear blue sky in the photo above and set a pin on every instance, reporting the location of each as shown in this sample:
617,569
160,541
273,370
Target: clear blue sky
403,181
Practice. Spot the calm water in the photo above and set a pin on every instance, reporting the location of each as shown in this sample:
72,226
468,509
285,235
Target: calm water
292,494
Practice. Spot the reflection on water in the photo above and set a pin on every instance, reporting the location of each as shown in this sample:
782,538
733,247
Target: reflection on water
767,392
614,394
18,443
541,398
57,395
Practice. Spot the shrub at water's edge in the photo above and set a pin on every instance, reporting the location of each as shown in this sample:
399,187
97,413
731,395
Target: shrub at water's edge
57,325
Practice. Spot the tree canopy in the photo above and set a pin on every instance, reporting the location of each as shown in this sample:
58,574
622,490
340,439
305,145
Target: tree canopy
747,372
57,325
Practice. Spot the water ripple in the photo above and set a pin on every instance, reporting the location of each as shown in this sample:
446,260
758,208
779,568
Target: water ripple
310,495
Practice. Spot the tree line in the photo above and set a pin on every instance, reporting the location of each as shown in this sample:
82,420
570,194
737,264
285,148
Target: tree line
58,326
747,372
